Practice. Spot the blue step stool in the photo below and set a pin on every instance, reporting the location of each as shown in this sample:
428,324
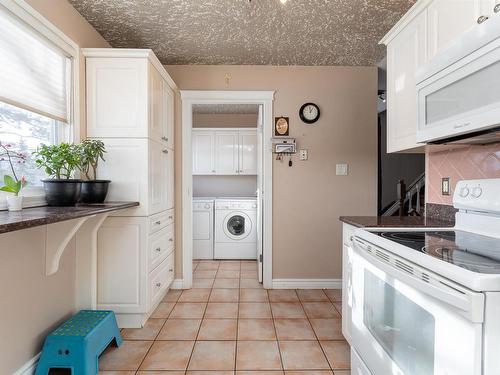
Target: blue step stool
78,342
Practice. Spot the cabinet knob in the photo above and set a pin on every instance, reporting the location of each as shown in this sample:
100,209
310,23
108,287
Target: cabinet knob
158,249
213,170
158,284
171,270
481,19
171,240
158,222
170,217
165,139
165,151
496,9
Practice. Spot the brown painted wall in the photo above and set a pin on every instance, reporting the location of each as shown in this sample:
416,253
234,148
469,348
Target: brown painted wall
309,197
34,304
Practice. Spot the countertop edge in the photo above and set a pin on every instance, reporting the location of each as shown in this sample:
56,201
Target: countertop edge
395,222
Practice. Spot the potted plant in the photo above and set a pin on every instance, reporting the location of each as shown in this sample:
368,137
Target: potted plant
12,184
93,190
60,162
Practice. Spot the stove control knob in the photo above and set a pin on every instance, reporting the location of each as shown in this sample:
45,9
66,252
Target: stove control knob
476,192
464,192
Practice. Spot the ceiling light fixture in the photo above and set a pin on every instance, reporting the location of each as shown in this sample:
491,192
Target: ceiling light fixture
283,1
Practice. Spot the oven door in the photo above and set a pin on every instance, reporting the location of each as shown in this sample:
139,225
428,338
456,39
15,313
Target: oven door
408,321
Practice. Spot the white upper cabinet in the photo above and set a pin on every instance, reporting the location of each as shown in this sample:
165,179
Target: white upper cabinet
169,98
247,152
224,151
157,106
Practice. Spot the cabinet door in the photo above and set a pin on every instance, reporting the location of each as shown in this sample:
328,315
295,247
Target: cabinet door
405,54
247,151
203,152
158,164
117,94
157,105
488,6
123,265
226,152
170,115
170,179
448,19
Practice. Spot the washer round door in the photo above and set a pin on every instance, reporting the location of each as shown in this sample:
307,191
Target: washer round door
237,226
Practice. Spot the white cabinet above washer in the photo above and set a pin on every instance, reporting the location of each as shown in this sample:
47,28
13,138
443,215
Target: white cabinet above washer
224,151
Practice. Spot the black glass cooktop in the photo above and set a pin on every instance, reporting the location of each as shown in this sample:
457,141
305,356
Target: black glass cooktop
471,251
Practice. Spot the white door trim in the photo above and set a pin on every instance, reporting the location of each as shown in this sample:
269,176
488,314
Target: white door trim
190,97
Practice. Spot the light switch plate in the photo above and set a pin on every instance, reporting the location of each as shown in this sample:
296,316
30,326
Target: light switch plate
341,169
445,186
303,154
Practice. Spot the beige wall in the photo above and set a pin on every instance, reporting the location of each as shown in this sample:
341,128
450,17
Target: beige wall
31,303
309,197
223,120
224,186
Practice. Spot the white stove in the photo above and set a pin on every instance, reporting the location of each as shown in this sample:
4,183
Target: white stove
427,302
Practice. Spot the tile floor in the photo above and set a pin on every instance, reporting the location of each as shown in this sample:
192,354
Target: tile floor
229,323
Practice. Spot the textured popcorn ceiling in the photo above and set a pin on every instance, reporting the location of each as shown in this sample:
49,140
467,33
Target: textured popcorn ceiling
225,109
260,32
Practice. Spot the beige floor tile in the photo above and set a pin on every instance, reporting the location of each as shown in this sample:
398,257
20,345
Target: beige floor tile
309,372
180,329
338,354
172,295
338,307
255,310
222,310
316,310
327,329
148,332
283,295
228,274
188,310
249,266
258,355
203,283
303,355
334,294
158,373
127,357
195,295
230,265
226,283
208,266
213,355
247,274
342,372
163,310
204,274
287,310
294,329
209,373
253,295
224,295
250,284
218,329
256,329
65,372
168,355
312,295
263,372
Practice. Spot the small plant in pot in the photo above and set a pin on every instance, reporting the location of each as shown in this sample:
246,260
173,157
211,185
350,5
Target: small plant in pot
12,184
60,162
93,190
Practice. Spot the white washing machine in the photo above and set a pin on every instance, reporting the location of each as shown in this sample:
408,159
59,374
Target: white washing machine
203,228
235,228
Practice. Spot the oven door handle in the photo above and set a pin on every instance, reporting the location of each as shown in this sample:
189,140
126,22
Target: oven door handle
469,304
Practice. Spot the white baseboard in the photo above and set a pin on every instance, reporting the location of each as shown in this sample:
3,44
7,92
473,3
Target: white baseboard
307,283
29,367
177,284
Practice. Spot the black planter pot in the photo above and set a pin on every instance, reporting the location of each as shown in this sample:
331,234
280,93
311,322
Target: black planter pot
62,192
94,191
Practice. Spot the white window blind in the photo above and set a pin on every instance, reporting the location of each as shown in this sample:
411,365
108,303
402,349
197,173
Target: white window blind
34,73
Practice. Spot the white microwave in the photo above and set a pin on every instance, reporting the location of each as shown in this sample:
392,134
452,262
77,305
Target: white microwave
458,91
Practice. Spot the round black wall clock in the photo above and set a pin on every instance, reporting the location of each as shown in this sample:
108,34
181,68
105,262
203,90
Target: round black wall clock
309,113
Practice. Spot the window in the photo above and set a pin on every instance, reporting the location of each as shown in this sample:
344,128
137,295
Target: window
36,87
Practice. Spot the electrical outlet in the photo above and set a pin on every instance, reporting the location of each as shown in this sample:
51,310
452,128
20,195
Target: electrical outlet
303,154
341,169
445,186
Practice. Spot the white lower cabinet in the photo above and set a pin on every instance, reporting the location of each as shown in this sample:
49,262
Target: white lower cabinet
347,245
135,266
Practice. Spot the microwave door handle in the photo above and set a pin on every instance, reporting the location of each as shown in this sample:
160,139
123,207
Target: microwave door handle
466,302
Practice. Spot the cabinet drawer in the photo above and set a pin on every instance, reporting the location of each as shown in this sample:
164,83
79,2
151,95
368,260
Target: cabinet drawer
160,279
161,244
161,220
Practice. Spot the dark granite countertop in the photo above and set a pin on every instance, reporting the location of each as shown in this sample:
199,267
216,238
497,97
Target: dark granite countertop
396,222
32,217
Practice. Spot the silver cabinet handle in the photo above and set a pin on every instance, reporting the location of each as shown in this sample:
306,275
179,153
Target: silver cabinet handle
158,284
170,217
165,139
171,240
158,222
158,249
165,151
351,238
171,270
496,9
213,170
481,19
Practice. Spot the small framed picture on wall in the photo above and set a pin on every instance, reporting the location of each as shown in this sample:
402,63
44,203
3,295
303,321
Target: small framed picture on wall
281,126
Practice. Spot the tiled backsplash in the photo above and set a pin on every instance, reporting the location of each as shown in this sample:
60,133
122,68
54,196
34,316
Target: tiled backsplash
461,163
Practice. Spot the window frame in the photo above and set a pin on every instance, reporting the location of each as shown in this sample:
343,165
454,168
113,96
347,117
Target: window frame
35,196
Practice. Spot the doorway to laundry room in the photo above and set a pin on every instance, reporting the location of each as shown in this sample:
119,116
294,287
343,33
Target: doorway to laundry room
224,180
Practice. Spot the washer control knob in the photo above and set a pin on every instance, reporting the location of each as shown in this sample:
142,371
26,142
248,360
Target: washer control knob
464,192
476,192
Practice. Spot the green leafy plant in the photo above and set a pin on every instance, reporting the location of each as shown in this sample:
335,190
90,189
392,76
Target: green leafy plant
92,150
12,184
59,161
